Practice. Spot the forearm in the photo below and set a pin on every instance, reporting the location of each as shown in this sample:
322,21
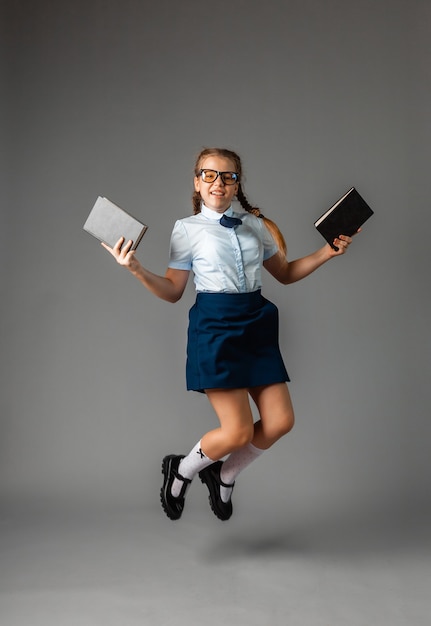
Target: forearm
300,268
287,272
161,286
169,287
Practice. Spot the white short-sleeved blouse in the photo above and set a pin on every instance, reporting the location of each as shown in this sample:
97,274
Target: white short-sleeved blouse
226,260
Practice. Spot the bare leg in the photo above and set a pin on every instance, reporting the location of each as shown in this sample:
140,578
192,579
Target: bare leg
276,419
276,414
233,410
236,430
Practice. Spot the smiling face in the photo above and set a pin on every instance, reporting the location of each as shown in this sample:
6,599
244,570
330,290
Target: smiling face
217,195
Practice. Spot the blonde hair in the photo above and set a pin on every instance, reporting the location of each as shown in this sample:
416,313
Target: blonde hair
234,157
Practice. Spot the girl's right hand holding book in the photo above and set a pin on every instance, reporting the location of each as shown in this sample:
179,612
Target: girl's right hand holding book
123,254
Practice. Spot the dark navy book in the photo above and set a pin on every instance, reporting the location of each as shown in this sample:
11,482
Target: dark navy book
344,217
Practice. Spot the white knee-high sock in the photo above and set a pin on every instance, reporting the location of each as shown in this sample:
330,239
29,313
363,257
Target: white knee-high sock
189,466
234,464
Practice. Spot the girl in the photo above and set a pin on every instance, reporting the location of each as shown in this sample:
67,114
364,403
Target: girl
232,349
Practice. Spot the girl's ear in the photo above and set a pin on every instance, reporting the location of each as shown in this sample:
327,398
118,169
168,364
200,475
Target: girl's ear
196,183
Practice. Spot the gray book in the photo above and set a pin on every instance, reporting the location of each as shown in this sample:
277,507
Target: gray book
108,222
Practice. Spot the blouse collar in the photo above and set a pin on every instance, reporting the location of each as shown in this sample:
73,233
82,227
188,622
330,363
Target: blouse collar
213,215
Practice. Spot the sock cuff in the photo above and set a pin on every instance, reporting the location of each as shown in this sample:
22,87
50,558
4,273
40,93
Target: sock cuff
256,451
198,449
194,462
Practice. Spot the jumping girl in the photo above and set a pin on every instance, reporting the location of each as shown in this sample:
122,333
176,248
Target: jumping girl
232,349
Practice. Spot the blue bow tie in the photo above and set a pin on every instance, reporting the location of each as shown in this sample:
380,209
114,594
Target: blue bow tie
230,222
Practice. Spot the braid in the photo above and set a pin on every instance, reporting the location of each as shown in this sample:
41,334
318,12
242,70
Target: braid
246,204
196,200
271,226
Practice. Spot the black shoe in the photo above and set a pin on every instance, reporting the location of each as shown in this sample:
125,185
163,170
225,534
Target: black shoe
210,476
173,507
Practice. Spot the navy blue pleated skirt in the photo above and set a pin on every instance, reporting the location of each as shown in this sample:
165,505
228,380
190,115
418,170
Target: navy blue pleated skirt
233,342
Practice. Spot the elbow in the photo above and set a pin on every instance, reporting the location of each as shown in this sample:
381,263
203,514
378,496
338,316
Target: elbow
289,276
173,297
285,279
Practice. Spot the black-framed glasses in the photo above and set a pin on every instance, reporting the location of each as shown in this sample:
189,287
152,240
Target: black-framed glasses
209,176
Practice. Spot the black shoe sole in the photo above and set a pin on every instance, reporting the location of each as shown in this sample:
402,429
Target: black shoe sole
173,512
220,509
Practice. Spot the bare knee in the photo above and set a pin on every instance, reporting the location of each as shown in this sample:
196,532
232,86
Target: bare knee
267,432
279,429
241,436
276,414
287,423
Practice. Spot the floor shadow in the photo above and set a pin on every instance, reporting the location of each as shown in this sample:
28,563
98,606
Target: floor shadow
345,536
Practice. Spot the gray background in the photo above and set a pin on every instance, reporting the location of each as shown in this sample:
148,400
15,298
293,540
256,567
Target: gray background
117,98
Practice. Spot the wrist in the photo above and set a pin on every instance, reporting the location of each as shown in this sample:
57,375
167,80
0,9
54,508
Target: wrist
326,253
135,268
